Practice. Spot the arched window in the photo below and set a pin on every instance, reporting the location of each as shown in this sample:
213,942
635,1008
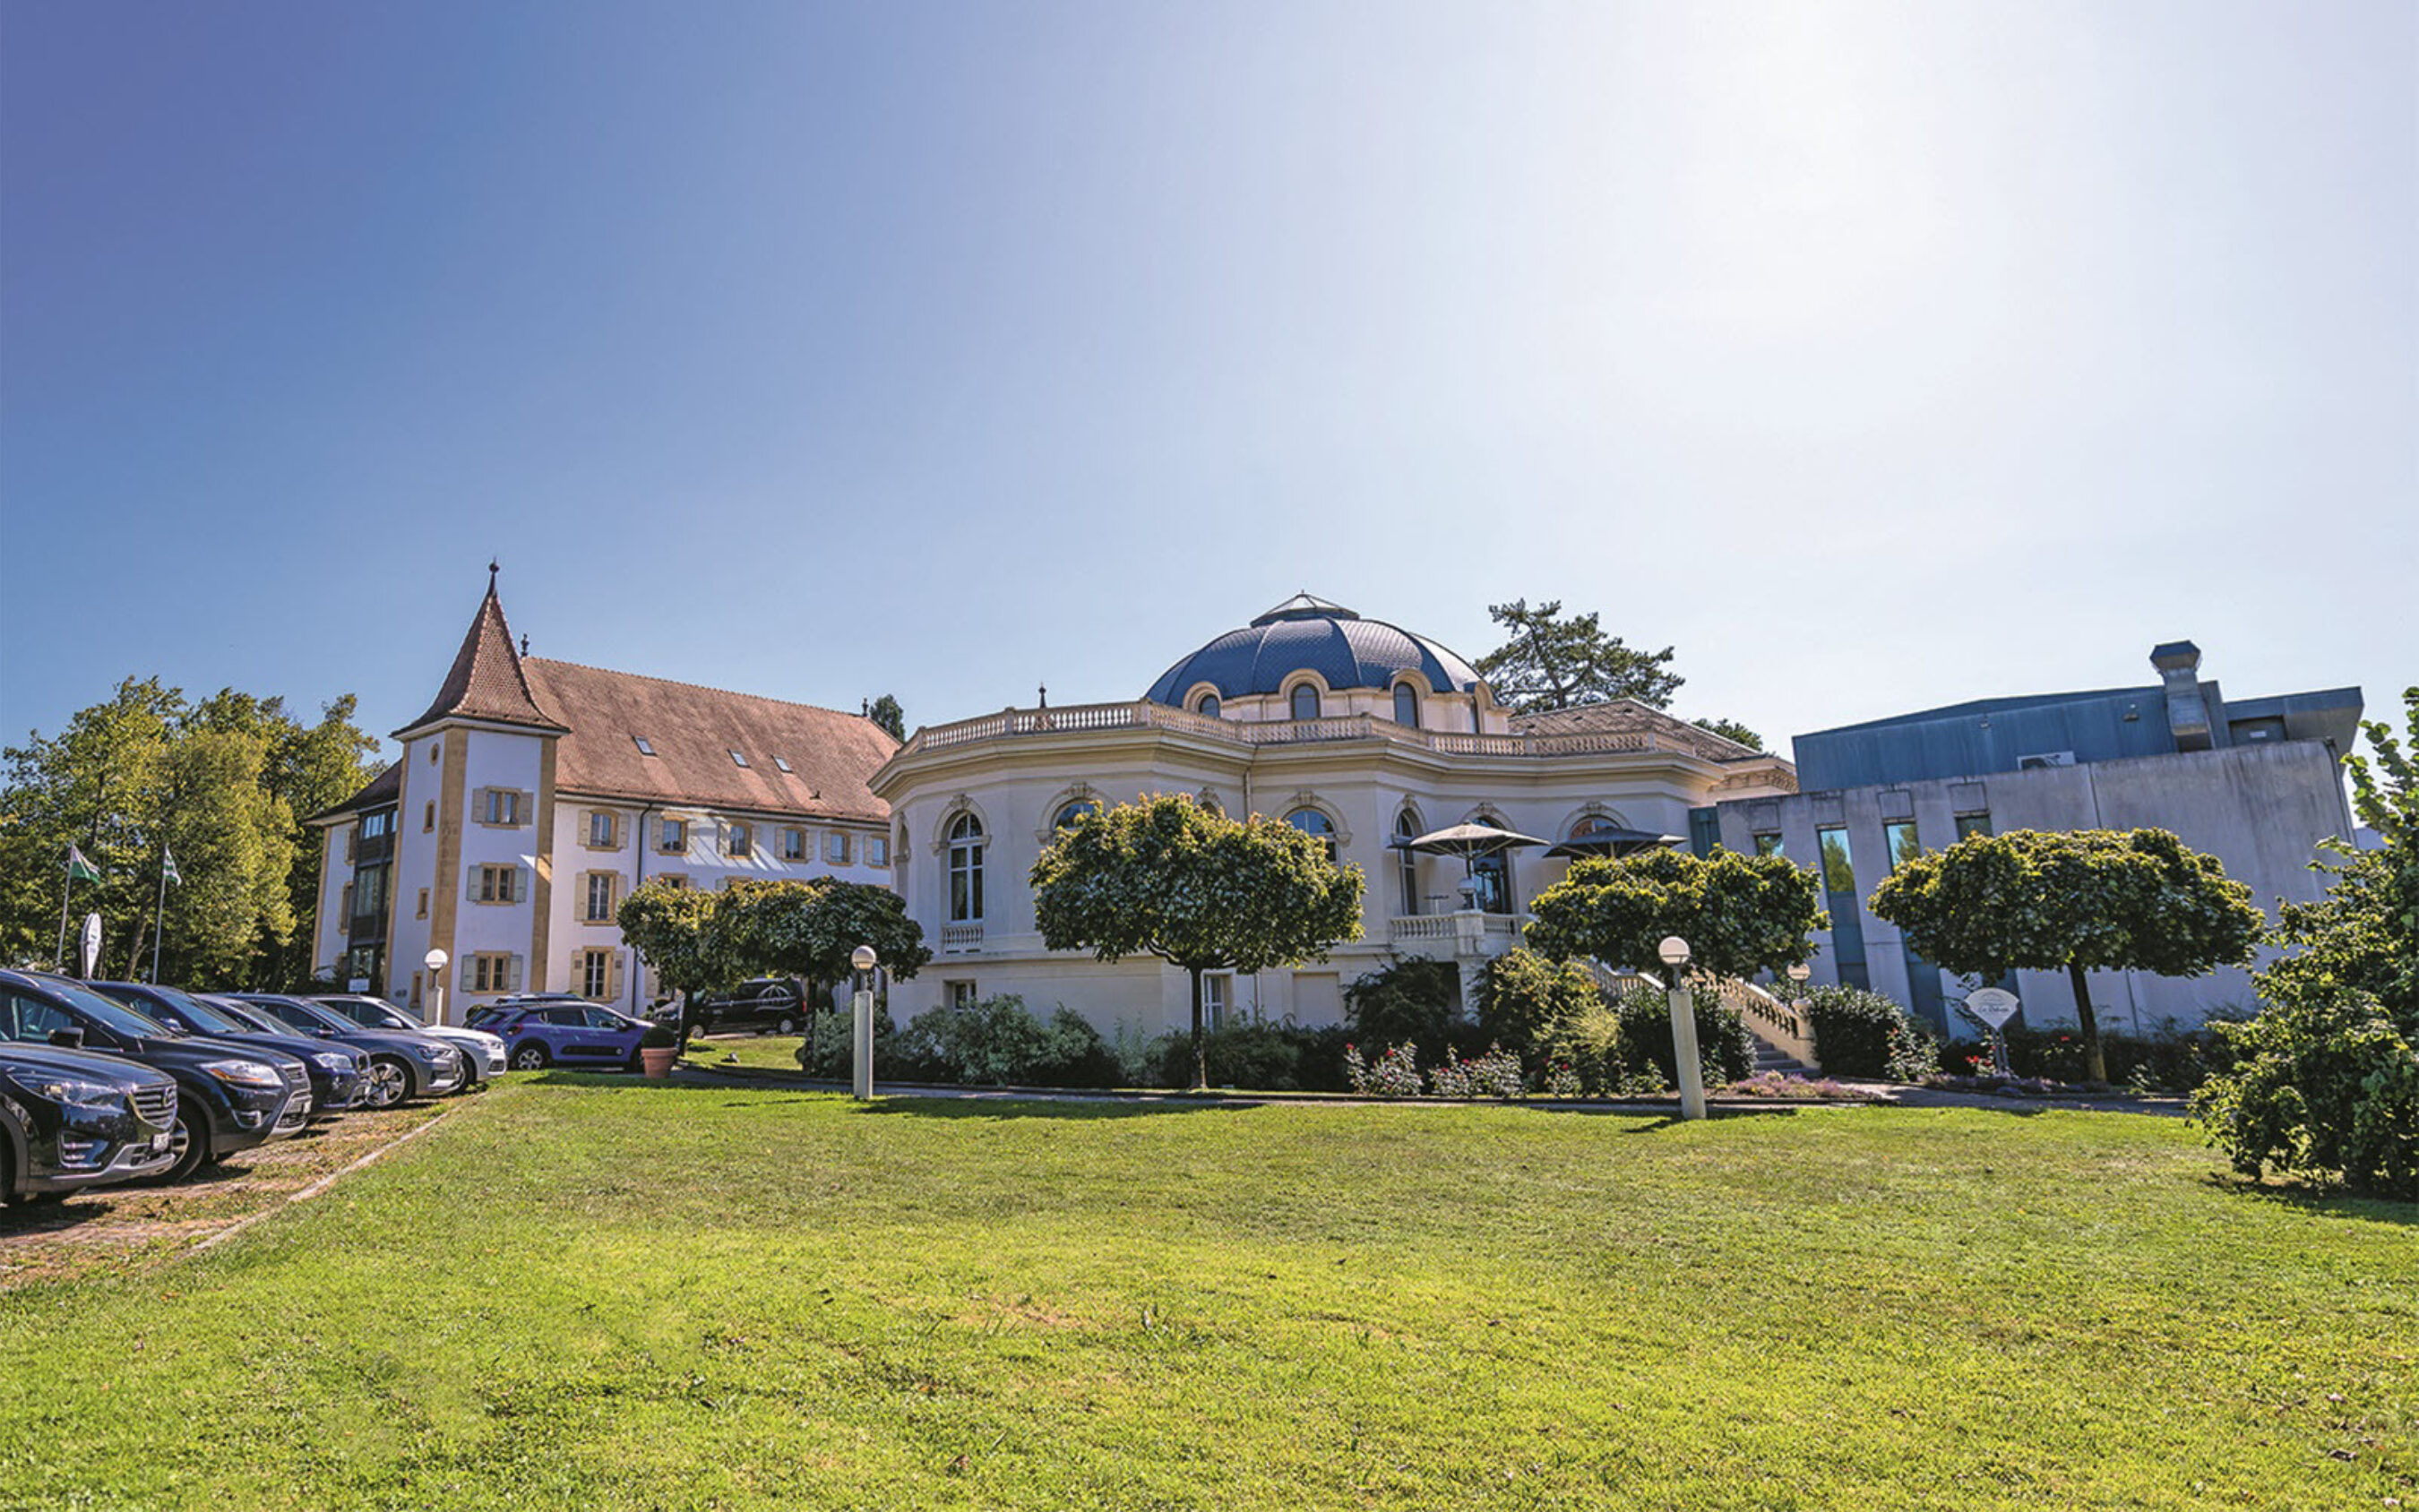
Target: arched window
1590,825
1311,822
1068,812
1407,828
1407,706
1305,700
965,870
1206,705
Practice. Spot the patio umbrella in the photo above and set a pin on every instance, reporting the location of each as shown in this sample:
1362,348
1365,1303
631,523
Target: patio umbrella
1611,841
1469,842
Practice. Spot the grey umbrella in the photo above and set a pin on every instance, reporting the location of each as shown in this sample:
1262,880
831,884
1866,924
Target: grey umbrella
1469,842
1611,841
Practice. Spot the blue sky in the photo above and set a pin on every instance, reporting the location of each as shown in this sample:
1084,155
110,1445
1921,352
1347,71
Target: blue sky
1877,356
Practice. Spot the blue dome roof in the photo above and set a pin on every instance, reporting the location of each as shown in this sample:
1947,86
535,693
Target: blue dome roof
1306,634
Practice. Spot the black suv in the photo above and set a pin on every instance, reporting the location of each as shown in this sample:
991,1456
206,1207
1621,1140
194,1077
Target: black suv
69,1119
403,1064
774,1004
229,1097
336,1080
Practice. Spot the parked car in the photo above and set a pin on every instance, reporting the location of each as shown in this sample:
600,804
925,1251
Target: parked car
71,1118
775,1005
539,1032
402,1065
336,1070
482,1052
230,1097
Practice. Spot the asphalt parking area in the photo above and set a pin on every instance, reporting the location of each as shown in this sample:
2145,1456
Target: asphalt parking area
121,1228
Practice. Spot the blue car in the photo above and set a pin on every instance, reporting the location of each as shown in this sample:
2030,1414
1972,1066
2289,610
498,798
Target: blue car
569,1032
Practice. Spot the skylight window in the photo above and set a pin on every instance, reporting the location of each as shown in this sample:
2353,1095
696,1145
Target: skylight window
781,762
644,749
737,759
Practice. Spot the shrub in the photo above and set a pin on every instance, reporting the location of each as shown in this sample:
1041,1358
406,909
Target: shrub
1527,1002
2327,1084
824,1050
1393,1074
1414,999
2167,1061
1723,1043
1583,1048
1861,1033
1496,1074
1255,1054
996,1043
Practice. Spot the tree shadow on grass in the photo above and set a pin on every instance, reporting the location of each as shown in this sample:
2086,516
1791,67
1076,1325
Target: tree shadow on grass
2319,1202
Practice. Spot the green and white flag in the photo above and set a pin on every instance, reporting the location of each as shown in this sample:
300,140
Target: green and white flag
168,867
80,870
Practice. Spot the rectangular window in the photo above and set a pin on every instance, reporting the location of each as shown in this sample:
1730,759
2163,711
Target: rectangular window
877,850
836,848
501,807
376,826
674,836
1970,825
644,749
737,759
491,971
604,831
962,993
793,845
781,762
1769,844
422,912
1899,838
1217,988
743,838
596,973
497,884
602,886
428,817
345,906
415,992
1839,870
673,879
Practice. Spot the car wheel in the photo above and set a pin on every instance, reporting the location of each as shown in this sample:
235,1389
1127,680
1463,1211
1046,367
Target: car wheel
788,1024
8,1172
531,1057
386,1084
191,1140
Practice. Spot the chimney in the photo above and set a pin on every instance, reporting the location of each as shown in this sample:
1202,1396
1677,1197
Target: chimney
2179,665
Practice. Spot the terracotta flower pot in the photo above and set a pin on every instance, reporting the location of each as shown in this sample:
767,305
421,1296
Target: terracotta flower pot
656,1060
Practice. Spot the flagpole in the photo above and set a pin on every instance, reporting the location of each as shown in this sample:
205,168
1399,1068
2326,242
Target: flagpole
158,912
65,893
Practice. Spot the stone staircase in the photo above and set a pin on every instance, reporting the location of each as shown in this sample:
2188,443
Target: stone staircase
1782,1041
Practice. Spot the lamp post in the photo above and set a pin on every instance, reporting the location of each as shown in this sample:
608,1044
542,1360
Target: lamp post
1797,978
862,958
435,962
1674,951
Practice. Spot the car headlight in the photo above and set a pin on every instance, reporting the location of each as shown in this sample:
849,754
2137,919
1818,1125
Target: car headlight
426,1052
78,1092
250,1074
335,1060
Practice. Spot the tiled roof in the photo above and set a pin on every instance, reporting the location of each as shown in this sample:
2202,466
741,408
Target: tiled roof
485,682
1624,716
693,731
383,789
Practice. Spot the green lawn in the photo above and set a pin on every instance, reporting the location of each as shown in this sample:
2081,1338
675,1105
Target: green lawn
599,1293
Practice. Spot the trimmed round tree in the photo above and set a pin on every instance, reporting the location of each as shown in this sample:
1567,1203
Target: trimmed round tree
1167,877
806,930
1739,913
2082,901
671,928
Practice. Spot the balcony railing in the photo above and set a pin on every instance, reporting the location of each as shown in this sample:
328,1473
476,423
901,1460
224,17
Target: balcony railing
1465,932
1086,717
962,937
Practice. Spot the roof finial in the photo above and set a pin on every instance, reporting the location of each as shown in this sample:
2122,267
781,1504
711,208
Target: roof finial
524,643
1045,690
492,569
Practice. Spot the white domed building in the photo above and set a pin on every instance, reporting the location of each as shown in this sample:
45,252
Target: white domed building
1351,729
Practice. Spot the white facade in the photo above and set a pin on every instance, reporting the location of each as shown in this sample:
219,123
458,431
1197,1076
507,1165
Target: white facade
1369,777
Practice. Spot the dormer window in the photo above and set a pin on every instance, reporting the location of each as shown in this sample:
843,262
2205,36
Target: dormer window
644,749
1207,706
1305,700
737,759
1407,706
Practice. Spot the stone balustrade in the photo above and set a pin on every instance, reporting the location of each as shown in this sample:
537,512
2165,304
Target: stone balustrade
1084,718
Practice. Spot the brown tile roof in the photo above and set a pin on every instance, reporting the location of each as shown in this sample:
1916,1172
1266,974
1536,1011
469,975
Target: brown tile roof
485,682
1627,716
694,731
383,789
